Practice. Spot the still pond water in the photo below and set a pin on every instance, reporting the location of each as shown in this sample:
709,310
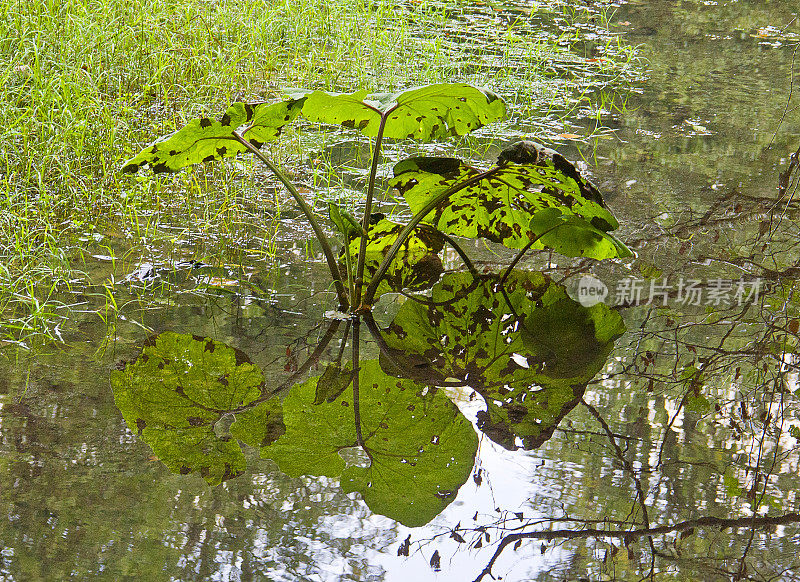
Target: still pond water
683,438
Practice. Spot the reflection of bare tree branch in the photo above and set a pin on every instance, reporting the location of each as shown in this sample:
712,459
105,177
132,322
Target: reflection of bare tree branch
629,469
785,178
786,175
632,534
760,209
789,96
742,569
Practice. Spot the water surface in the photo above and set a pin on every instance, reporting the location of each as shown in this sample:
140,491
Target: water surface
698,399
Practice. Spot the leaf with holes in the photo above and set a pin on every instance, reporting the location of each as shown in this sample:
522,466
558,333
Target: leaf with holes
423,113
498,204
205,139
190,398
526,348
417,265
422,448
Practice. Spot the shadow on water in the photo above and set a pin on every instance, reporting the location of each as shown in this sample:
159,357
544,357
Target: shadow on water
505,429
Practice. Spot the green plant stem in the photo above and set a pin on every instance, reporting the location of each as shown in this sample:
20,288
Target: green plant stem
368,208
345,335
348,259
333,266
516,260
369,294
356,386
522,253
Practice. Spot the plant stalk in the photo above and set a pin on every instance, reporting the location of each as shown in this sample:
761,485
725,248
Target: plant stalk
333,266
368,209
356,385
348,259
521,253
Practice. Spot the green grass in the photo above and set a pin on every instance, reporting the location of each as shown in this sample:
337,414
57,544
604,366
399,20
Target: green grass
85,84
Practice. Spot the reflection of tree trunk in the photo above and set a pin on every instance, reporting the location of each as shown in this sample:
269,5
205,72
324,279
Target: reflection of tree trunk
197,537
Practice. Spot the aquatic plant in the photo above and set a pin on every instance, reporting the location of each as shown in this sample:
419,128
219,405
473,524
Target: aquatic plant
514,337
532,198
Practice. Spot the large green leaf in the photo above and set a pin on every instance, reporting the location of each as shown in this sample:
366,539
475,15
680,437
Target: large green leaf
422,448
499,204
424,113
417,264
573,236
526,347
205,139
189,398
